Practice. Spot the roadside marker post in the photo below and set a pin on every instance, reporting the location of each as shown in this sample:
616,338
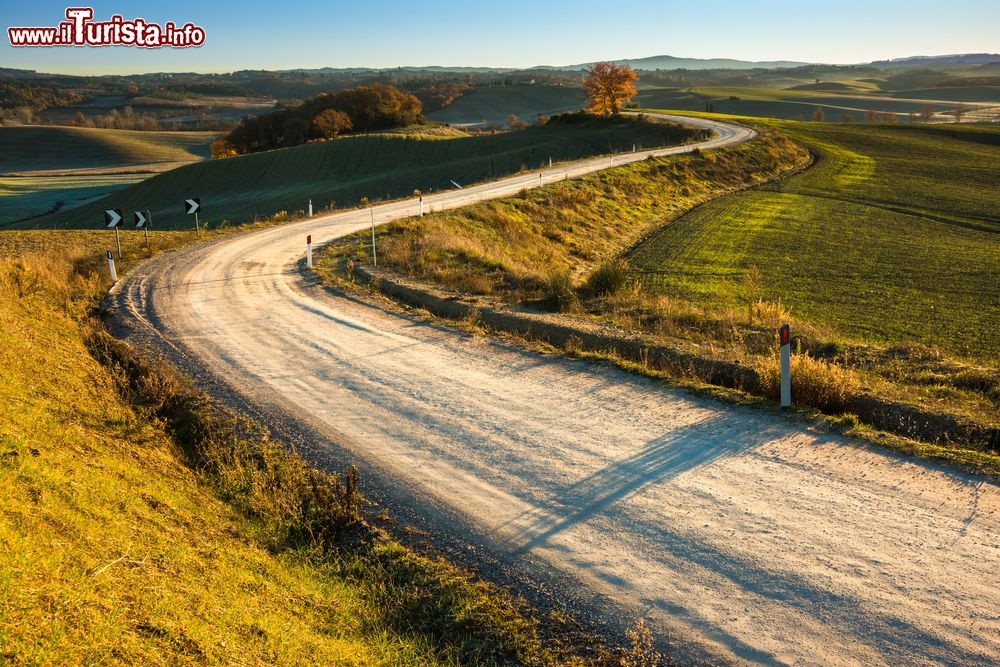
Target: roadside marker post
310,208
111,267
786,366
421,206
374,256
309,251
142,222
193,206
112,218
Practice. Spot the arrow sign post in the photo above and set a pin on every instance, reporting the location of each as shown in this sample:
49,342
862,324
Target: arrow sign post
142,221
193,206
112,218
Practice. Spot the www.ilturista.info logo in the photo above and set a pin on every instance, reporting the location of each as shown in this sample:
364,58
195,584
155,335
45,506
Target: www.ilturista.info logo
80,30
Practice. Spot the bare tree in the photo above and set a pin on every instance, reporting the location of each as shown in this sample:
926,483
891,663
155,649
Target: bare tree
927,113
819,115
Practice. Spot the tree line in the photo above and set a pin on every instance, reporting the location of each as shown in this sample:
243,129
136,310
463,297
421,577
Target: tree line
358,109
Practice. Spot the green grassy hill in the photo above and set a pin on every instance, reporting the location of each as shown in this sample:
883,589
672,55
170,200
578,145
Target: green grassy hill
34,148
893,236
838,100
63,167
491,106
956,93
345,170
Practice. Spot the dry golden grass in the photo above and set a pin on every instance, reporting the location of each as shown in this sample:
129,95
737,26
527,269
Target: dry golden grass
816,383
142,525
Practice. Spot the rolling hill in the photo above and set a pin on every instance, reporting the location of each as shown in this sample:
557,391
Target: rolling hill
342,172
891,237
36,148
45,169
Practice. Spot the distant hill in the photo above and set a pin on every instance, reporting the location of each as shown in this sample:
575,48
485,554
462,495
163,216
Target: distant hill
960,59
672,63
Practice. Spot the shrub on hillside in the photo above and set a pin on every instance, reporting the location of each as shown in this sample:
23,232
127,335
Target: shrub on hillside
561,292
610,278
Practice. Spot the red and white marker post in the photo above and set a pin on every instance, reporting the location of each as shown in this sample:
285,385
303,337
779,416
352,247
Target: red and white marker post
309,251
785,338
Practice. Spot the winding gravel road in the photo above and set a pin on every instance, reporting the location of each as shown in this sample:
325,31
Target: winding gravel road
743,535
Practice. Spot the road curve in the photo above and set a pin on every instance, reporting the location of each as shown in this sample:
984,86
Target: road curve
743,533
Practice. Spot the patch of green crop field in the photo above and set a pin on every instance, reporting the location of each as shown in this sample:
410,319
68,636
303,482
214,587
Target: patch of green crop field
23,197
34,148
491,106
955,93
893,236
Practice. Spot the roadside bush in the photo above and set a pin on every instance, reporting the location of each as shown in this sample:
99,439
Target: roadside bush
560,291
609,278
982,380
815,383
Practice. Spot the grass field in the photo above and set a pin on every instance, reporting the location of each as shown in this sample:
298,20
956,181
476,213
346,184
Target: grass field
798,103
894,236
141,526
35,148
26,196
491,106
883,256
63,167
342,172
516,245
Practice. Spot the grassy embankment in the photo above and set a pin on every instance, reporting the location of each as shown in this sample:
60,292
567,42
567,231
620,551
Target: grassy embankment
142,524
343,171
883,256
47,168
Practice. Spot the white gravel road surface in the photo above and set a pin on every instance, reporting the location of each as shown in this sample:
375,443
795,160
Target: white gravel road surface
747,534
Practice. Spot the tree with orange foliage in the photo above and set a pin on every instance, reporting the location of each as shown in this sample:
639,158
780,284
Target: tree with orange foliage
608,87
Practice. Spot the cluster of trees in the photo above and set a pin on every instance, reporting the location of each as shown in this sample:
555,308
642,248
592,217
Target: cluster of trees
126,119
359,109
440,95
35,97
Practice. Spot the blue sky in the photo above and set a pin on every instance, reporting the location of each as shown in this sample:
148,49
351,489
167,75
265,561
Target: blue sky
378,33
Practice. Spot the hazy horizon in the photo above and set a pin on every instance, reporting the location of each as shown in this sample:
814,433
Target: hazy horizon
389,34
